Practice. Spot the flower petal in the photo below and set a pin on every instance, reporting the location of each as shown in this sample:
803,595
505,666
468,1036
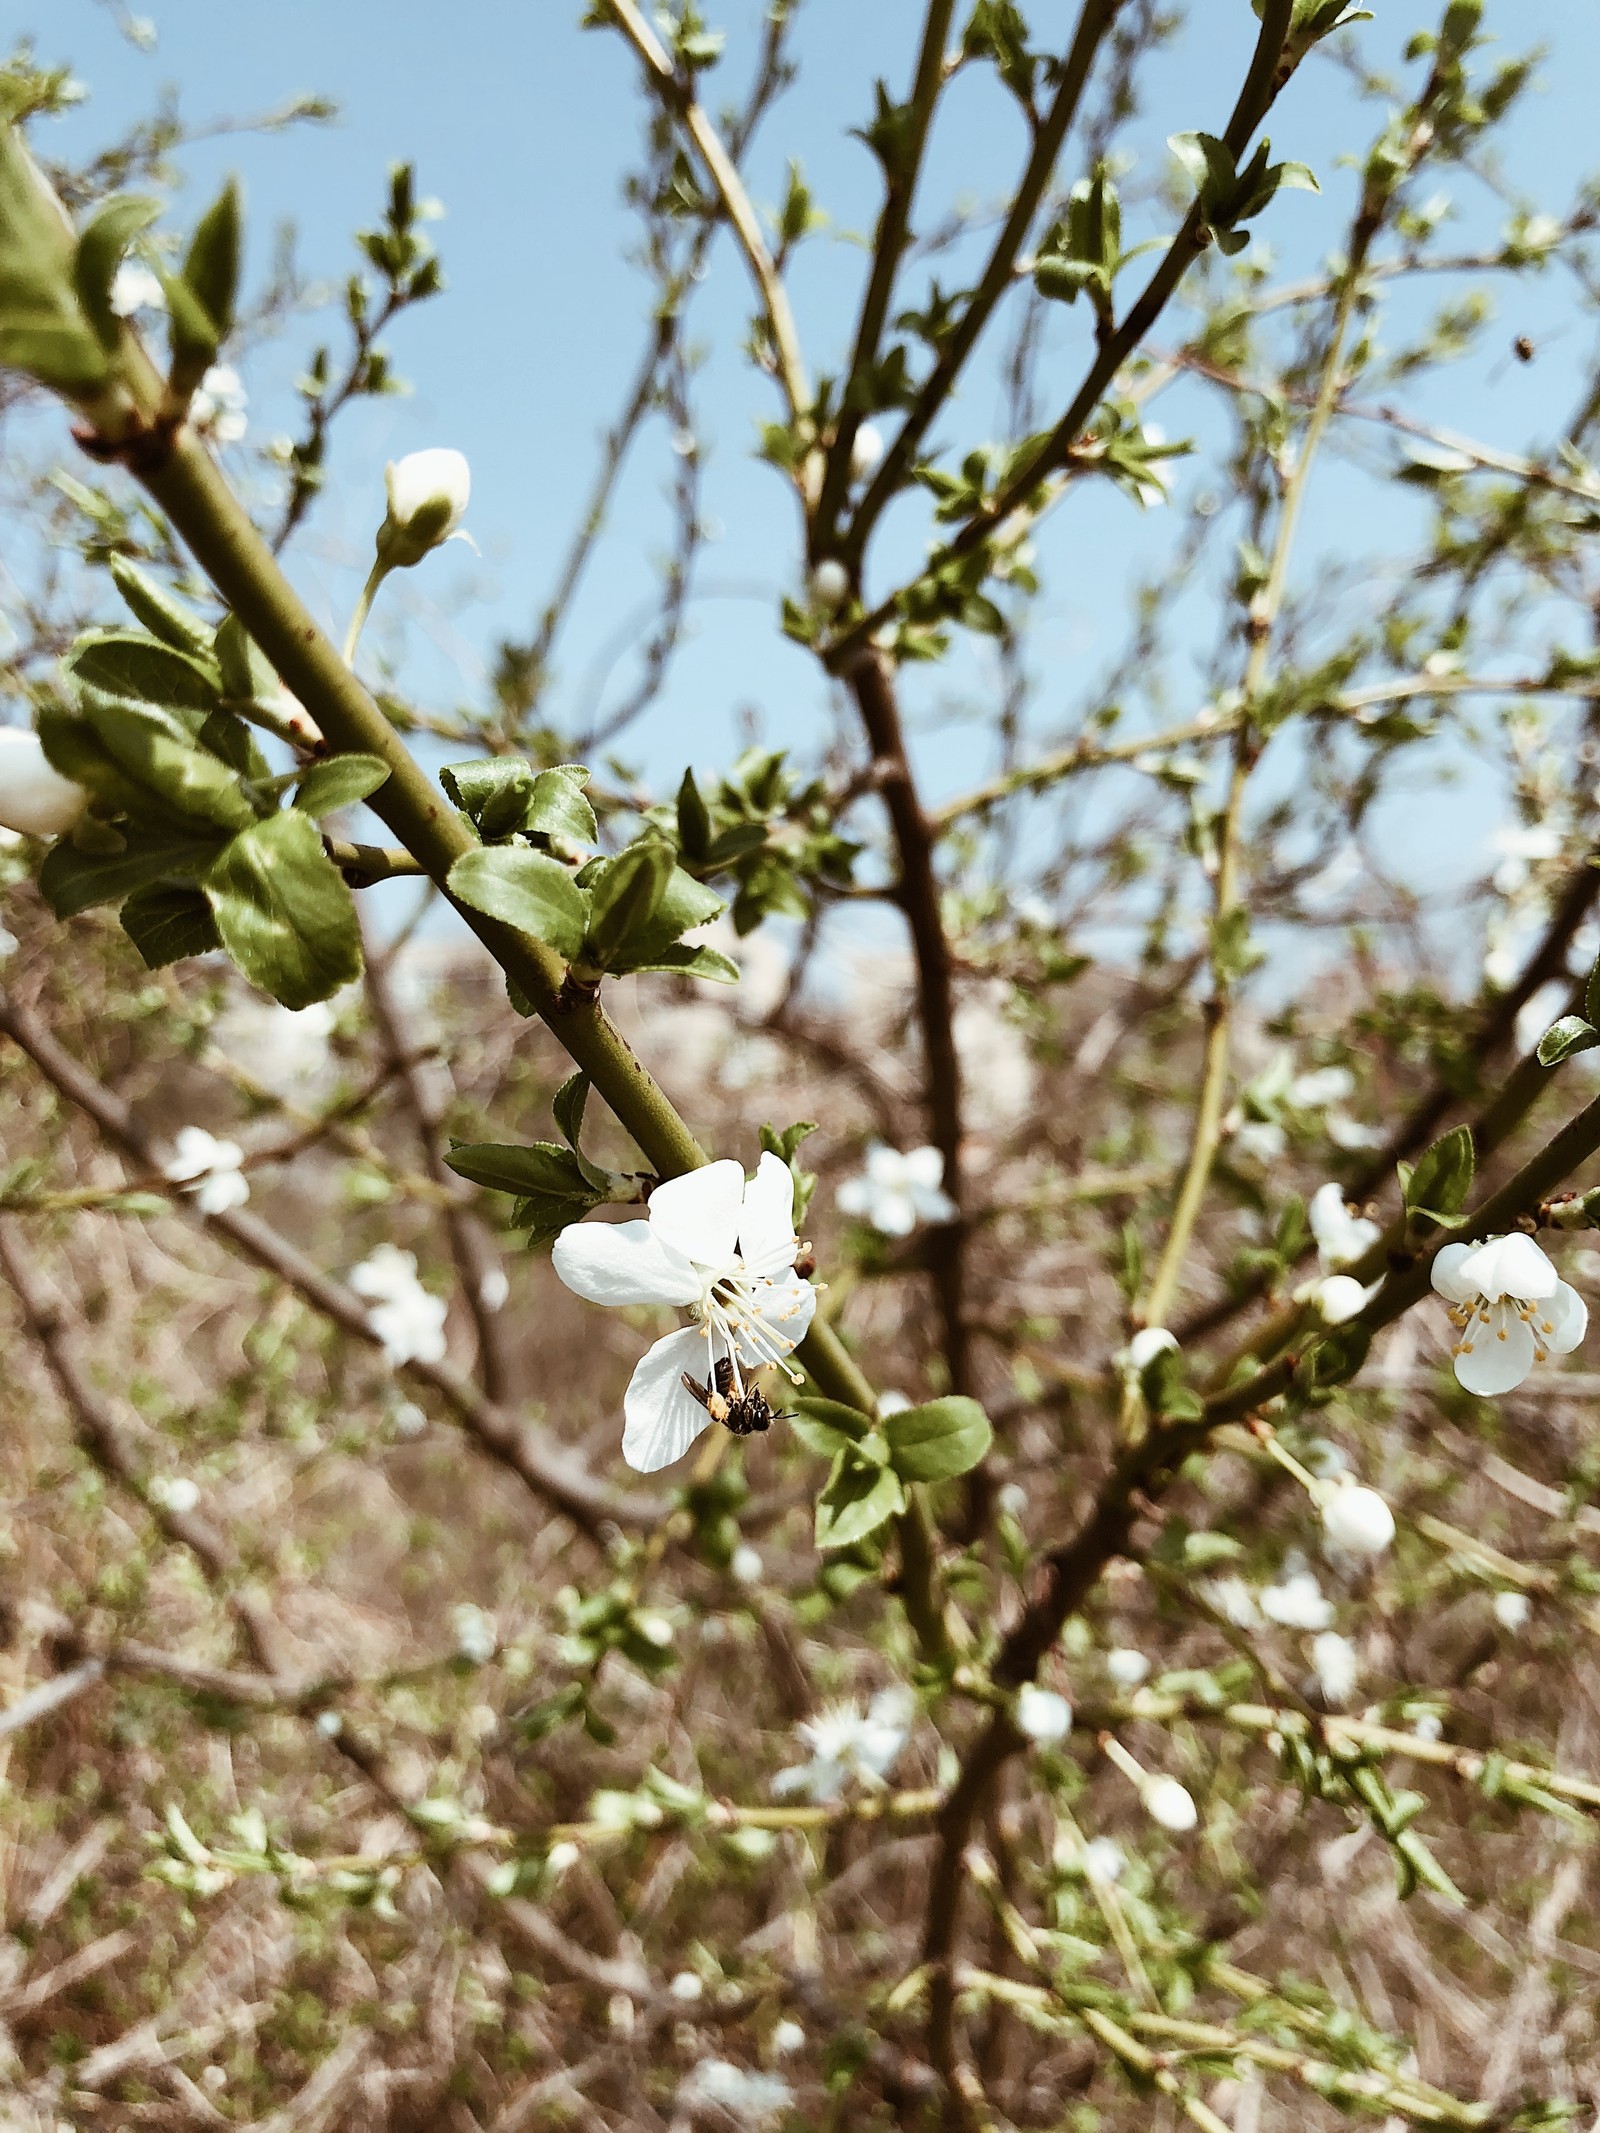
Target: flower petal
1562,1320
697,1215
924,1169
661,1418
622,1263
892,1212
1487,1365
767,1242
1510,1266
782,1311
1446,1273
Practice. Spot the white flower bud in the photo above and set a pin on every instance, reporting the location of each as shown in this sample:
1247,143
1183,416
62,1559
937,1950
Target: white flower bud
1357,1519
34,798
428,493
1127,1667
1169,1803
1511,1610
1042,1714
1147,1344
686,1986
830,586
1338,1298
787,2037
866,453
746,1566
562,1856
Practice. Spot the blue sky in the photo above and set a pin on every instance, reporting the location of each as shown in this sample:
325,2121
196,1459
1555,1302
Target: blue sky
523,125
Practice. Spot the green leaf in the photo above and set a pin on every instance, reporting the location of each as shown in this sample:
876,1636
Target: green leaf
1442,1179
100,248
828,1427
284,911
246,672
211,271
936,1441
71,880
494,795
694,819
685,903
59,354
160,613
856,1500
625,894
1591,995
529,890
340,781
151,748
566,1107
685,962
559,808
165,924
128,667
1566,1038
544,1167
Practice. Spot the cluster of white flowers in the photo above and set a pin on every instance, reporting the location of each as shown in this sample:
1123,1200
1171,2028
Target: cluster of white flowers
1342,1237
403,1315
897,1190
1510,1308
1296,1601
209,1170
134,287
476,1637
754,2100
847,1742
218,408
722,1248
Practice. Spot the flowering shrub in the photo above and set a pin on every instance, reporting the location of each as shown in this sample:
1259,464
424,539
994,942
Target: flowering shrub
1056,1589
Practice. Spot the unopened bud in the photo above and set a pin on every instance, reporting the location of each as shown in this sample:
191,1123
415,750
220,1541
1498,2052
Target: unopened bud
428,493
830,586
1169,1803
35,798
1357,1519
866,452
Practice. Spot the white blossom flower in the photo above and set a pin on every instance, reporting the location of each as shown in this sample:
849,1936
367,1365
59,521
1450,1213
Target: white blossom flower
1520,845
1297,1601
173,1492
1104,1859
1351,1133
208,1169
723,1248
330,1724
561,1858
218,407
847,1742
1357,1519
9,944
745,1567
893,1403
1127,1667
897,1191
1234,1601
1169,1803
1011,1498
35,799
494,1289
1334,1660
830,586
1042,1714
1321,1087
1259,1140
687,1987
135,288
1341,1237
428,496
866,452
1430,1726
787,2037
1339,1297
403,1315
1510,1307
755,2101
476,1637
1511,1610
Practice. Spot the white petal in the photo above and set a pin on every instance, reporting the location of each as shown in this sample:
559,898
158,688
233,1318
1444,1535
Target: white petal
855,1197
1487,1364
887,1166
661,1418
1445,1273
1511,1266
767,1242
783,1311
893,1213
1340,1297
924,1169
697,1215
932,1204
34,797
1562,1321
622,1263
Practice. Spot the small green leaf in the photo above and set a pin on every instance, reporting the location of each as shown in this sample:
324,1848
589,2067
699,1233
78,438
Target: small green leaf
284,911
559,808
828,1427
1566,1038
72,880
529,890
129,667
543,1167
100,248
684,962
685,903
856,1500
936,1441
160,613
1591,995
694,819
339,781
151,748
211,271
165,924
1439,1184
624,896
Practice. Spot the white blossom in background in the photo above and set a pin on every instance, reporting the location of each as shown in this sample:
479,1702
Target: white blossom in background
208,1169
1234,1601
1297,1600
494,1289
687,1987
724,1249
1333,1659
1536,1014
9,944
1319,1088
1146,1345
898,1190
403,1314
1339,1297
1520,846
1169,1803
476,1637
753,2100
1512,1610
175,1492
1104,1859
1259,1140
35,799
1510,1308
1357,1519
745,1566
1011,1498
847,1742
787,2037
134,287
1042,1714
1127,1667
218,408
830,586
1341,1237
866,452
893,1403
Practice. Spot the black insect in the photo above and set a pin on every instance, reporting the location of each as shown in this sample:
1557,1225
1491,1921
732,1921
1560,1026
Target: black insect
747,1415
